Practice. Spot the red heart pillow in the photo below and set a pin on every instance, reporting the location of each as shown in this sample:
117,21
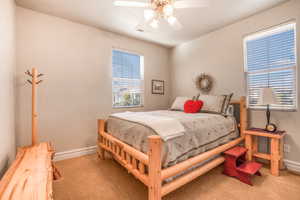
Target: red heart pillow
192,106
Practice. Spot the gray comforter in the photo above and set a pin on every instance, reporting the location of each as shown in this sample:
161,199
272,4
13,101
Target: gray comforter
203,131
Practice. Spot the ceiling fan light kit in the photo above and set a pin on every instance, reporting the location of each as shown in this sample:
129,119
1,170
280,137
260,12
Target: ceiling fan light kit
149,14
168,10
154,23
172,20
157,10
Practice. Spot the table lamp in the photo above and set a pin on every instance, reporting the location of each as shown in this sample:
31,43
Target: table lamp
267,97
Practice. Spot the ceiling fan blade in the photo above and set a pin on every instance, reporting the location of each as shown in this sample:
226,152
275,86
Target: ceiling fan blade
137,4
191,3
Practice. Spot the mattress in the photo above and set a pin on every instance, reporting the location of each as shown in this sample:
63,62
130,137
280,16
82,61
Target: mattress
203,132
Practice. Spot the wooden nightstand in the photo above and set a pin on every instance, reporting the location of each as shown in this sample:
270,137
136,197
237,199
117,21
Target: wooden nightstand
276,156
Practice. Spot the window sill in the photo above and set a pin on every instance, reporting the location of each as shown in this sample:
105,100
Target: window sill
275,109
120,107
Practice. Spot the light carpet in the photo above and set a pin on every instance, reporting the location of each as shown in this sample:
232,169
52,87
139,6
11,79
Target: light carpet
88,178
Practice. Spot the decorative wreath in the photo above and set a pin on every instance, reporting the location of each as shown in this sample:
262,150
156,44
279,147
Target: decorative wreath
204,83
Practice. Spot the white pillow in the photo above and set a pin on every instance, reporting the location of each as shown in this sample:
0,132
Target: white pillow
212,103
178,104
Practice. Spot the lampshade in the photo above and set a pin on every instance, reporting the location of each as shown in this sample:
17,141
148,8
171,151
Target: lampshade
267,97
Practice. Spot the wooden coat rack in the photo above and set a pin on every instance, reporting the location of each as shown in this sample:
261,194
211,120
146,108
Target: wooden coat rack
31,175
34,75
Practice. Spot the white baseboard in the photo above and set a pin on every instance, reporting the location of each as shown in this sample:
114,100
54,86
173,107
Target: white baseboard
75,153
292,166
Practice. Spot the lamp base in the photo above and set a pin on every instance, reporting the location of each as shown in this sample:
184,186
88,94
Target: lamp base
271,127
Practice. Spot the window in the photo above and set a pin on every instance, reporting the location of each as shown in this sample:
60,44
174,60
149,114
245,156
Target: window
270,61
127,79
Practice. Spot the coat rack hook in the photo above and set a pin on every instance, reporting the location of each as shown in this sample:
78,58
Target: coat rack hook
28,73
39,81
29,81
40,75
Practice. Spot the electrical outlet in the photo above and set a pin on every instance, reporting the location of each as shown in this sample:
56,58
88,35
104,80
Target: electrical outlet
286,148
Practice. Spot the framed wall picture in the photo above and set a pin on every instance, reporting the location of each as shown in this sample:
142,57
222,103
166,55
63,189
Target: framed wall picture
158,87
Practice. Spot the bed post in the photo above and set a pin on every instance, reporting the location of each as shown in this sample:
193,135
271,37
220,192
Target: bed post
243,116
101,128
154,153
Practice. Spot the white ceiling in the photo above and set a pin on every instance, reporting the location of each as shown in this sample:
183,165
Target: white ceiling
196,21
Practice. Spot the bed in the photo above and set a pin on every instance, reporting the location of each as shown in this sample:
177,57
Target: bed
165,165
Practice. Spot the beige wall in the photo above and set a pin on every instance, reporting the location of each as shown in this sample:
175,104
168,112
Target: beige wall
220,54
7,71
76,61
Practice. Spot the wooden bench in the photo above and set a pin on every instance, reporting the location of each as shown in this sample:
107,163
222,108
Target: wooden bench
30,175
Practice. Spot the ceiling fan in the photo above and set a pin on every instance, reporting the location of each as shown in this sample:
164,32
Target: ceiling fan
157,10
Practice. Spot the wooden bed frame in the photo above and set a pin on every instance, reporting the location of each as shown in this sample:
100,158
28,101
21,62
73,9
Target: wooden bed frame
147,167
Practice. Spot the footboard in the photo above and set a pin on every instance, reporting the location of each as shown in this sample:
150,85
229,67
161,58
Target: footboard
133,160
145,167
148,167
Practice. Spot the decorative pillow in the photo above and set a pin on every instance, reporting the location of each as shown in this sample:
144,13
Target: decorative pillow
212,103
179,102
230,110
192,106
226,103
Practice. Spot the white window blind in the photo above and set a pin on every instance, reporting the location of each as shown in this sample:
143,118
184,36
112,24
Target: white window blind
270,61
127,79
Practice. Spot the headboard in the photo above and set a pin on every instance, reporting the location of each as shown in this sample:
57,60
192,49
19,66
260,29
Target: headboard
241,114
